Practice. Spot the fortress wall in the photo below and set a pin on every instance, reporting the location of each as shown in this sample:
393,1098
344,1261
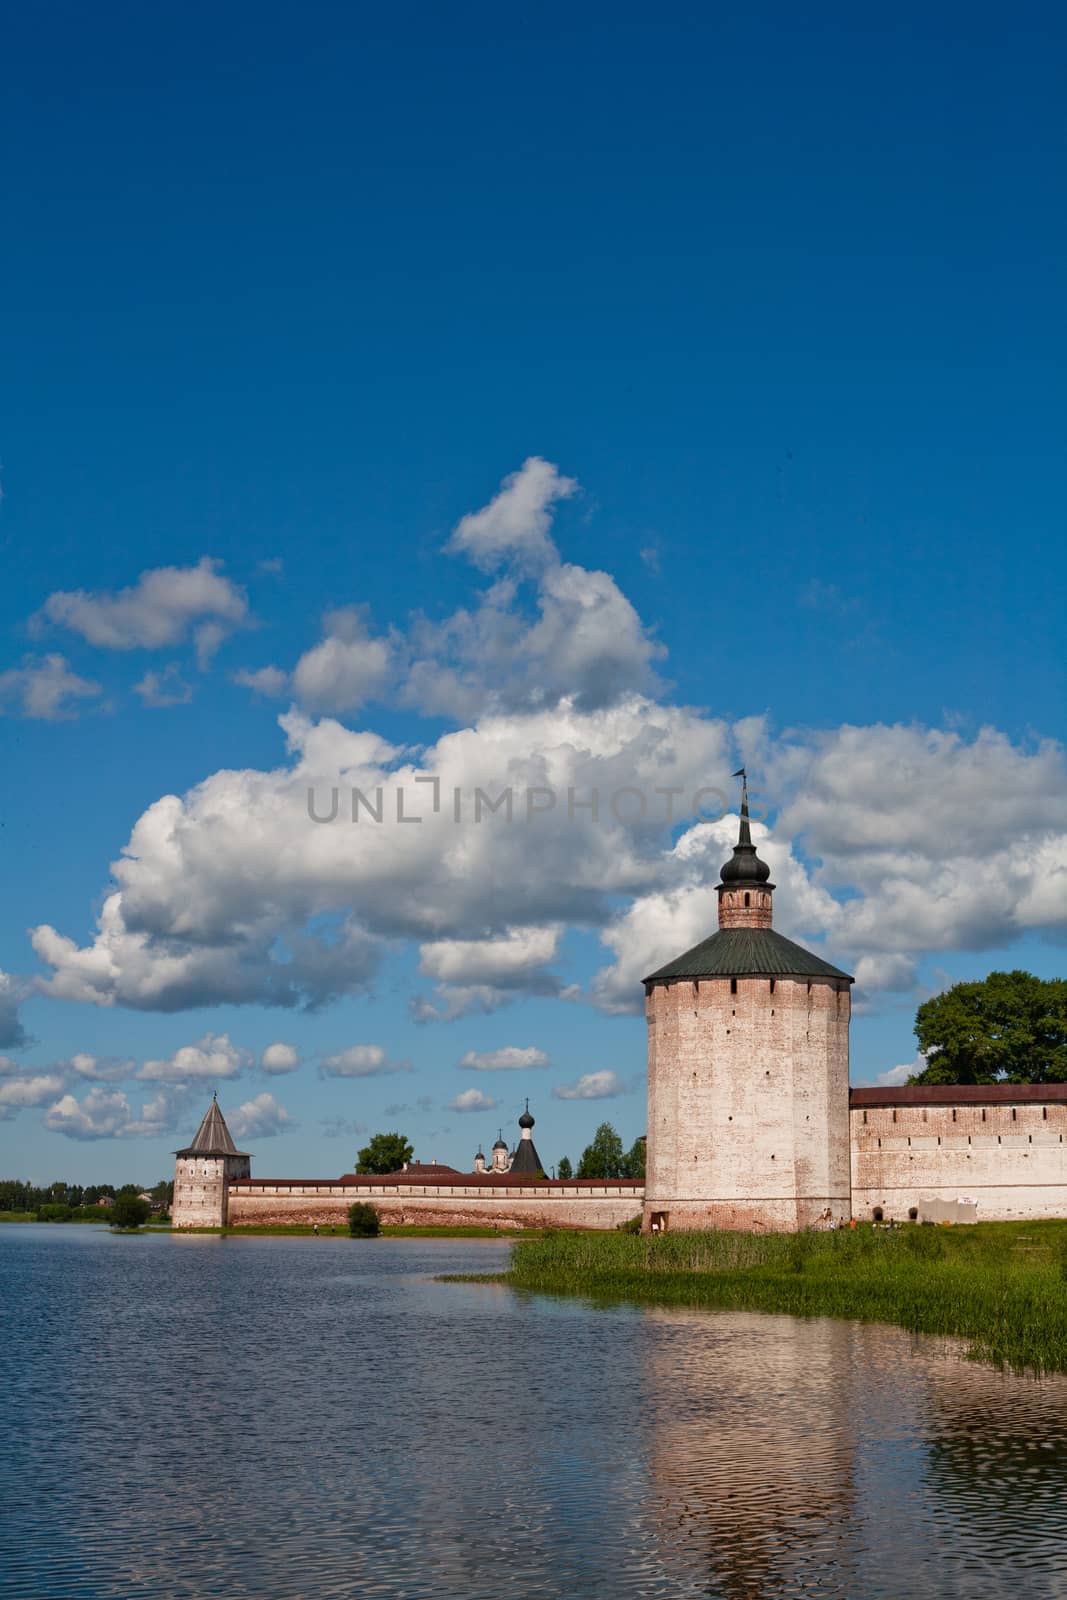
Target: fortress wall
1011,1159
748,1098
513,1206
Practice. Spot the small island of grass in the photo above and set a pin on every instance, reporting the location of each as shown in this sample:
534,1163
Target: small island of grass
1001,1287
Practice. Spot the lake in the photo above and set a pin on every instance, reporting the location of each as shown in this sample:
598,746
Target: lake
282,1418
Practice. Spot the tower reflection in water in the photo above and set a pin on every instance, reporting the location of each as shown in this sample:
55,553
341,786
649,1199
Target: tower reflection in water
752,1451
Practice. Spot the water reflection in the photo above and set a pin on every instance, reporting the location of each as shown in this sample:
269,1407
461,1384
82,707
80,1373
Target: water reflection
753,1447
282,1419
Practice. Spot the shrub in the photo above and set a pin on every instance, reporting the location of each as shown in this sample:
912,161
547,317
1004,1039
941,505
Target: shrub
363,1220
631,1225
129,1211
54,1212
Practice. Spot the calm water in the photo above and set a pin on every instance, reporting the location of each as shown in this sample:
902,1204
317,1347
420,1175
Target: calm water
284,1418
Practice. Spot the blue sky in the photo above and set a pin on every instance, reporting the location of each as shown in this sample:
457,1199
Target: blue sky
293,293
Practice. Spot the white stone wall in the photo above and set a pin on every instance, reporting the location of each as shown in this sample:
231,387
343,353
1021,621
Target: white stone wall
1011,1159
512,1206
747,1103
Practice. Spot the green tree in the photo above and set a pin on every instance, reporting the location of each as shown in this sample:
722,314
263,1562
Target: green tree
604,1157
363,1220
565,1169
1009,1028
129,1211
635,1160
386,1152
54,1211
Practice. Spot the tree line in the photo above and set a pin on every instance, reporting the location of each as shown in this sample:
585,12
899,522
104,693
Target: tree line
67,1202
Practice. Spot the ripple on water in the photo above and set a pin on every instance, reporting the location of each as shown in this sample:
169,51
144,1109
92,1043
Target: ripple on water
317,1418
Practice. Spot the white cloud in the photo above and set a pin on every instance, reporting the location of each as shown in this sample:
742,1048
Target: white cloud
107,1114
28,1089
516,523
508,1058
362,1061
901,1074
100,1069
166,688
102,1114
45,689
8,1064
347,668
472,1100
158,610
890,842
592,1086
279,1058
12,1033
213,1056
271,682
261,1118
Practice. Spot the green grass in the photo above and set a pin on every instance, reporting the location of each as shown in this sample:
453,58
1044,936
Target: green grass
1001,1287
18,1216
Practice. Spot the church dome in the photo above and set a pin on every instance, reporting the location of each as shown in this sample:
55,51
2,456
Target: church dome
501,1144
526,1121
745,866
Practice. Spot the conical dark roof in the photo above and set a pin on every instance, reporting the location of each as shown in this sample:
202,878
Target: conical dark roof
212,1136
748,953
526,1158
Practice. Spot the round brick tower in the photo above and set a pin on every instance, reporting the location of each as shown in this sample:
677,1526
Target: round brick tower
747,1072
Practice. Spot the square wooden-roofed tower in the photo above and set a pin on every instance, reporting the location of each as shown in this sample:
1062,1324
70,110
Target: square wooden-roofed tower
202,1173
747,1072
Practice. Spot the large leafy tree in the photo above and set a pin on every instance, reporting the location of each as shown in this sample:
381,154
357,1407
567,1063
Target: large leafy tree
635,1160
385,1153
565,1169
603,1158
1009,1028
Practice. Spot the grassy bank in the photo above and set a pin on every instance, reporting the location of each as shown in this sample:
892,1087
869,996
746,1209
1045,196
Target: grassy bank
1000,1286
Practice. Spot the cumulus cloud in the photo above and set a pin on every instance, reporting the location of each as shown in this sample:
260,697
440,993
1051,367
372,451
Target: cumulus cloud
515,524
102,1114
271,682
592,1086
472,1100
100,1069
44,688
213,1056
346,669
28,1089
889,842
158,610
279,1058
166,688
261,1118
12,1033
362,1061
508,1058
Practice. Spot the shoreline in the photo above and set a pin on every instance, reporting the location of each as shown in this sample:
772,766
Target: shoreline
999,1286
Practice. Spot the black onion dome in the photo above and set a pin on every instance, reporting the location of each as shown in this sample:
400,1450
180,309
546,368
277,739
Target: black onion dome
526,1121
744,866
501,1143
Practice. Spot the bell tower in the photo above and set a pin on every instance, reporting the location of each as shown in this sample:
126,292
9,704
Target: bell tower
747,1071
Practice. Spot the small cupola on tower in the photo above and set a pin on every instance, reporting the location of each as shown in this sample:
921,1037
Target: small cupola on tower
479,1160
526,1158
745,890
500,1158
